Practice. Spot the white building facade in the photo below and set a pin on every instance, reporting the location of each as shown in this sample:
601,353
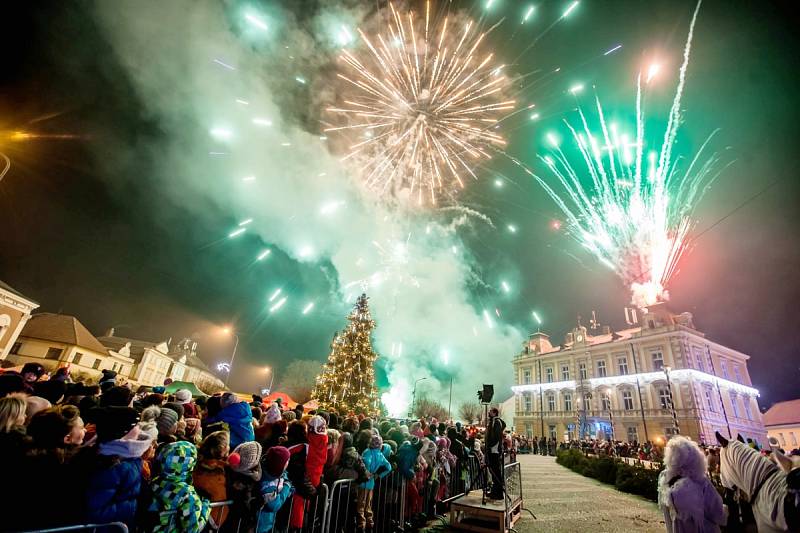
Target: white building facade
658,378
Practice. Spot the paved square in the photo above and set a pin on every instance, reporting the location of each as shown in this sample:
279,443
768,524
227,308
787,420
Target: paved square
565,501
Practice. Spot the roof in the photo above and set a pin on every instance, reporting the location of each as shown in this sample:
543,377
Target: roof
65,329
116,343
783,413
191,359
15,292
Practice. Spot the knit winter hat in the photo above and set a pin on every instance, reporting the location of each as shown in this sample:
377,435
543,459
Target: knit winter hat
167,421
114,422
317,425
275,460
150,414
375,442
228,399
183,396
149,428
273,414
249,455
178,408
159,390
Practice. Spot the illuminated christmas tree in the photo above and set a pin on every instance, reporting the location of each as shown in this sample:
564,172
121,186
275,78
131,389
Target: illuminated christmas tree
347,381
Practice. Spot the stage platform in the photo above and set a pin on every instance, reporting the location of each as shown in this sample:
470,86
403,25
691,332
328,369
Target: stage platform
469,513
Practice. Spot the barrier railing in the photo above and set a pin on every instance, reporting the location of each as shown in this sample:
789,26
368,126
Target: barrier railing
111,527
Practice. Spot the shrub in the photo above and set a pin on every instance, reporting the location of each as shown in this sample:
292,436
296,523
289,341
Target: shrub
626,478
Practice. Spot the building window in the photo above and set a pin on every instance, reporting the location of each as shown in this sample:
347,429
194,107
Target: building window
663,397
793,438
606,402
16,347
627,400
780,437
601,369
564,372
77,359
658,360
552,431
53,353
567,401
724,366
526,376
548,372
747,412
698,356
632,435
582,370
96,364
551,402
528,401
622,364
734,404
737,373
710,400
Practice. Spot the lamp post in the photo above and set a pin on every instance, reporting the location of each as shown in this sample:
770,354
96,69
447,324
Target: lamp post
675,426
414,396
229,331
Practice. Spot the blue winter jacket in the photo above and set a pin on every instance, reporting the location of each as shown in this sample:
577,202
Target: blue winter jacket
374,460
239,418
113,492
273,500
407,459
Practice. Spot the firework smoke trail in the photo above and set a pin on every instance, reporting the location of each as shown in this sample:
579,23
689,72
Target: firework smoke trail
419,103
634,216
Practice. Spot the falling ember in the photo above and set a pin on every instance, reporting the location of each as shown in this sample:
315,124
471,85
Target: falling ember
632,211
419,104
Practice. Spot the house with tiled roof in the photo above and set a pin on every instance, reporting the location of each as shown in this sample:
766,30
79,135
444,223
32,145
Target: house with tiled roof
187,366
151,360
782,421
15,311
55,340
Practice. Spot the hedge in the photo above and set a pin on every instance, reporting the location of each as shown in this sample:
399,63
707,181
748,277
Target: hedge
625,477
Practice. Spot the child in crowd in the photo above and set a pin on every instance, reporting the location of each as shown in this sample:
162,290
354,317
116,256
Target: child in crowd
378,467
209,476
275,487
173,491
244,477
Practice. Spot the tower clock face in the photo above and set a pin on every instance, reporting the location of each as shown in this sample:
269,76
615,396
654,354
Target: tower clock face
579,338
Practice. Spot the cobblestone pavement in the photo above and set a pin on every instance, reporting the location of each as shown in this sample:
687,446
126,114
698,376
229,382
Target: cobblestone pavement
565,501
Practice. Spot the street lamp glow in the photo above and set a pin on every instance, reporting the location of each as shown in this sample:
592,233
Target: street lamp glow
227,330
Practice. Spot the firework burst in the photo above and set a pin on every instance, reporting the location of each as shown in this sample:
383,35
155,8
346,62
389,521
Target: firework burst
631,210
420,104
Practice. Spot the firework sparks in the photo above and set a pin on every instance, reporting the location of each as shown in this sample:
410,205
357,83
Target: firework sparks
632,213
420,104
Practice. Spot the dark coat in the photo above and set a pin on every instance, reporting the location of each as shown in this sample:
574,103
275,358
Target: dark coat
407,456
494,434
113,490
350,466
296,471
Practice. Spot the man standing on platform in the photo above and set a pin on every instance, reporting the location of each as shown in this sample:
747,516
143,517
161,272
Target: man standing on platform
494,447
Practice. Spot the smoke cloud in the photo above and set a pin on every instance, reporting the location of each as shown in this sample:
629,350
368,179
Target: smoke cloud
192,66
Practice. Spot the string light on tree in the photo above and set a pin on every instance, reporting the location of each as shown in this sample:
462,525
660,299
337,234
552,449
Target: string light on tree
347,381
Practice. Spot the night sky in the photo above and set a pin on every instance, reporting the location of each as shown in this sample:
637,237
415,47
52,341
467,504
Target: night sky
93,226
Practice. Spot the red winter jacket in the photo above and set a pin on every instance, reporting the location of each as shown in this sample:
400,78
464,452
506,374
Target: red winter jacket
317,455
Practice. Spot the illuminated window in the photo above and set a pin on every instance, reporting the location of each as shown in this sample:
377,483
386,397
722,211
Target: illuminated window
606,402
548,372
663,397
582,370
622,364
710,400
747,412
526,376
627,400
551,402
527,398
567,401
735,404
564,372
724,367
698,356
601,369
658,360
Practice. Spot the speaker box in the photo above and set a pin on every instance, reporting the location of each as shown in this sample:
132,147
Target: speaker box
488,393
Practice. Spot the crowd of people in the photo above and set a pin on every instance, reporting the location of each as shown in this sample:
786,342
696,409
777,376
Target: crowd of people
78,454
646,451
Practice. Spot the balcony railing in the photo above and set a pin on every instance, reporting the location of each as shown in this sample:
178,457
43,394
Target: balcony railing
616,413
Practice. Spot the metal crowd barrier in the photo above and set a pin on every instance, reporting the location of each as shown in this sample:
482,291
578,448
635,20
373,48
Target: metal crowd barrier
110,527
